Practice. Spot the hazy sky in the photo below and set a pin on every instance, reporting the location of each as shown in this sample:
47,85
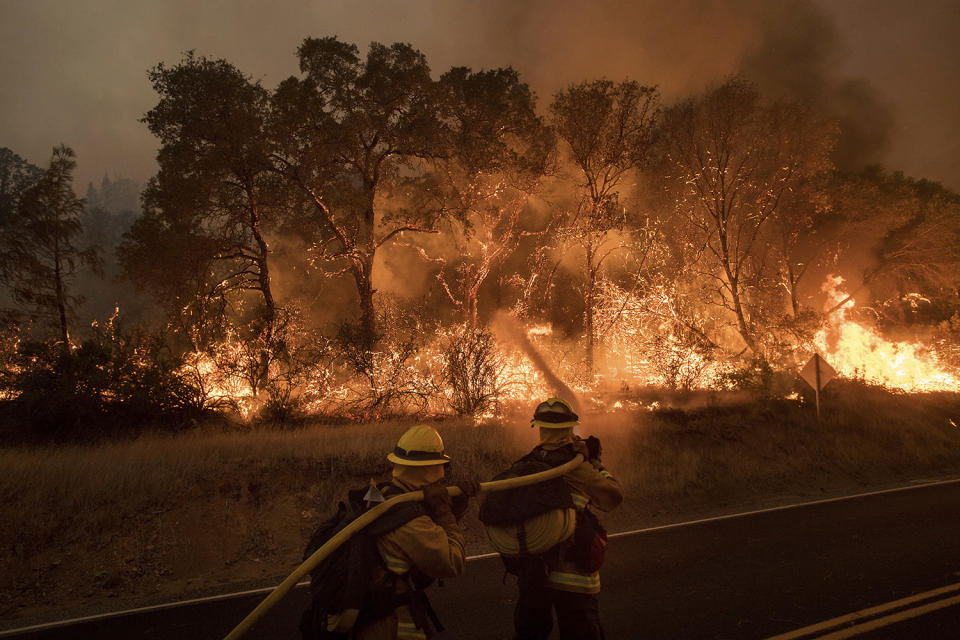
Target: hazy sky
75,72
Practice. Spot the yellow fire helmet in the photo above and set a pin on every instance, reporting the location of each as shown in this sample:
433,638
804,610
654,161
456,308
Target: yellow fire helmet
420,446
554,413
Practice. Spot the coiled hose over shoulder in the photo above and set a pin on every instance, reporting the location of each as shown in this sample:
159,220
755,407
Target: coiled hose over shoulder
336,541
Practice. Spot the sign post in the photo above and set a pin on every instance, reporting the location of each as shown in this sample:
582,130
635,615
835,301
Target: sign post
817,373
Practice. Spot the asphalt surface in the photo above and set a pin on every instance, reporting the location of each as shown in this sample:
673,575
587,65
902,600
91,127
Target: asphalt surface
753,576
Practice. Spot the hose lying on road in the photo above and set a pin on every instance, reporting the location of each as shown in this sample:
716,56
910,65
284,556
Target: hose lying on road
336,541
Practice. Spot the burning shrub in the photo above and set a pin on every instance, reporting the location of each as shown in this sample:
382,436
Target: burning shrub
472,371
272,374
947,341
299,376
384,381
780,345
10,336
656,338
683,360
111,384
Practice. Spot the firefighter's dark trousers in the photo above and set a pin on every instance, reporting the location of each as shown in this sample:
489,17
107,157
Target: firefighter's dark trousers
578,614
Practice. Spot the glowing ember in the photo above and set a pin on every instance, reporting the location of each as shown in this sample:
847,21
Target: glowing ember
856,351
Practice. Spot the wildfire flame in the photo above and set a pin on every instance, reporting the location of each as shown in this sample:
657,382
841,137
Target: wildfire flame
639,350
857,351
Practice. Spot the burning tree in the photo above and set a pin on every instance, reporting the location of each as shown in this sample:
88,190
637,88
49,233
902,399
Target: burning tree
729,160
500,152
208,210
608,131
899,237
350,134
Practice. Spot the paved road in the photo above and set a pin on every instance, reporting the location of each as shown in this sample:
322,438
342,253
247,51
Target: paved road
753,576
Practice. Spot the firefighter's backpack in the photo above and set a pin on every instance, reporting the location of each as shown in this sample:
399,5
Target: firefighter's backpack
530,520
351,585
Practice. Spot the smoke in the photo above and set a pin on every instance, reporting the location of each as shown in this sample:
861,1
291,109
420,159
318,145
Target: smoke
798,58
680,46
791,50
77,73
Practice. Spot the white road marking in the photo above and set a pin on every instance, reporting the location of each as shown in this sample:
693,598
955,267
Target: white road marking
798,505
483,556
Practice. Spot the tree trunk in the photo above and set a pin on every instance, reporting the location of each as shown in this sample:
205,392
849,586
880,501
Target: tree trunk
733,281
61,301
270,306
362,274
738,310
794,301
470,307
588,302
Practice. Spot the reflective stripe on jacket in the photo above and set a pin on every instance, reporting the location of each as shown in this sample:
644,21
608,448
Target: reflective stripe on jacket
590,484
433,548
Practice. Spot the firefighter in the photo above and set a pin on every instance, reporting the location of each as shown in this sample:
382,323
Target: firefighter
426,547
560,580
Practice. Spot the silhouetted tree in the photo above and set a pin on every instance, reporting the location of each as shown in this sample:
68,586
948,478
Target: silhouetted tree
897,235
116,196
215,192
16,176
109,213
43,257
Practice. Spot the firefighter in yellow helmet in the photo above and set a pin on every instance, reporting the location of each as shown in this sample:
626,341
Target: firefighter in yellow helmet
426,547
568,579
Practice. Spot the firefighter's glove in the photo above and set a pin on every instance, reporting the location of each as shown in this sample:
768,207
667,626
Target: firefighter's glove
470,487
436,501
580,446
459,504
593,448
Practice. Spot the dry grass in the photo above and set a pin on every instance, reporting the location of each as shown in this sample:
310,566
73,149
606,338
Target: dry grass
168,513
100,487
866,437
160,516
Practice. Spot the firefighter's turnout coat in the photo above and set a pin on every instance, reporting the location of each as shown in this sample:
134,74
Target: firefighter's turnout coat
434,548
591,485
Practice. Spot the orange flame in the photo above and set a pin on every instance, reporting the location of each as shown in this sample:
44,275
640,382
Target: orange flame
856,351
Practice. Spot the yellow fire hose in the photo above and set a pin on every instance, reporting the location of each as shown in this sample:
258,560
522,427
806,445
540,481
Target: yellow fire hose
334,543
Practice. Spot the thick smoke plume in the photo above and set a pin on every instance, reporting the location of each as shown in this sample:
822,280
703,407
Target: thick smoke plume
791,50
797,59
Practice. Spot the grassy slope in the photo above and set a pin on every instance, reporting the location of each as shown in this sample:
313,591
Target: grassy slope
90,528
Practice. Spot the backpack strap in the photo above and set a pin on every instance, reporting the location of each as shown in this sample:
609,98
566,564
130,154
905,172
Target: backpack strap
552,457
398,515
